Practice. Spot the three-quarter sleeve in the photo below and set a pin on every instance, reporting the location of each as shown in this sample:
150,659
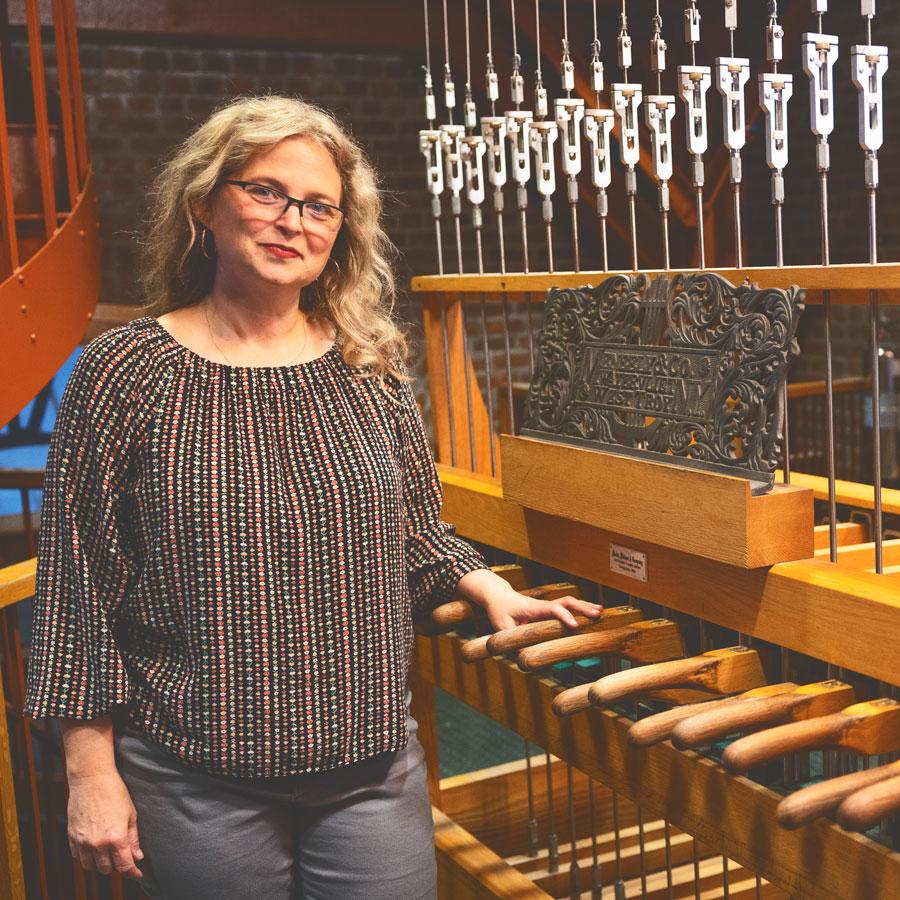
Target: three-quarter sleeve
84,562
435,557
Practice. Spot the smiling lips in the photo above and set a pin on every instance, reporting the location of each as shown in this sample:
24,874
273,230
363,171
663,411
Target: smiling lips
281,251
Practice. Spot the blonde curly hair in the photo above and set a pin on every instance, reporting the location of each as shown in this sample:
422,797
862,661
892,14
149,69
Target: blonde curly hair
356,296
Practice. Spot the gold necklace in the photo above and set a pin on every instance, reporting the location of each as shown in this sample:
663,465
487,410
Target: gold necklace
216,343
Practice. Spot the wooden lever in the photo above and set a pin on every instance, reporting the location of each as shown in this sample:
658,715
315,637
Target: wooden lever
648,641
571,700
748,712
860,811
454,612
659,727
718,671
803,806
870,727
515,638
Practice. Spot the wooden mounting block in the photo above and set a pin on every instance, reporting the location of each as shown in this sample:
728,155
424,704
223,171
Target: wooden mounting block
660,502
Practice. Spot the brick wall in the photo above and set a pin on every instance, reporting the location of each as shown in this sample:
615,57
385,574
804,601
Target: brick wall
142,95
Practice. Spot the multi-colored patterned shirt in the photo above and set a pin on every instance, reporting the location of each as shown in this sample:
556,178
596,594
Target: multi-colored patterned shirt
230,556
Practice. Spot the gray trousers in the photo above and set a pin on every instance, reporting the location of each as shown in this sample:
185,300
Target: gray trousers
361,832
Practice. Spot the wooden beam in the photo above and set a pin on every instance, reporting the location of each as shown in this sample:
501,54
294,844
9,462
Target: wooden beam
731,814
467,870
844,280
816,607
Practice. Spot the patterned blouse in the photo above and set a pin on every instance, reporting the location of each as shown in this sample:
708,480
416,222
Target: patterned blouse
230,556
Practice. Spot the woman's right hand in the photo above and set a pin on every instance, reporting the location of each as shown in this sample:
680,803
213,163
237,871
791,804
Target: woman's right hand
102,828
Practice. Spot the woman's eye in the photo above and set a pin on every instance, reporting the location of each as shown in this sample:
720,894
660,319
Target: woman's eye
263,194
319,210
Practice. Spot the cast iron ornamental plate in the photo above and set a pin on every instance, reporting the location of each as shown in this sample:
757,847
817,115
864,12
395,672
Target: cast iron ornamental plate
686,369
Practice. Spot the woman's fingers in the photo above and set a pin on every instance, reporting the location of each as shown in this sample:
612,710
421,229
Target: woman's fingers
123,860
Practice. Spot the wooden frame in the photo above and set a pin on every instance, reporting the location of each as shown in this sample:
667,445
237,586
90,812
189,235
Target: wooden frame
730,814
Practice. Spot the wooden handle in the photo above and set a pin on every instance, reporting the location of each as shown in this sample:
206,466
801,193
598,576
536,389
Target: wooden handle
511,639
758,748
659,727
476,649
553,591
571,701
576,646
642,679
455,612
860,811
803,806
741,715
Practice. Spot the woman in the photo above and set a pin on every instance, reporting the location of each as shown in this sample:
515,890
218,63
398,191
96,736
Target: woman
241,513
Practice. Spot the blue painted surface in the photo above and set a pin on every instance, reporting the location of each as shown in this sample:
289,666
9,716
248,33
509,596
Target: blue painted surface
34,456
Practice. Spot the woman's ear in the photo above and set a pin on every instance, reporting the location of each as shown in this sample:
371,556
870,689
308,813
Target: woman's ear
202,214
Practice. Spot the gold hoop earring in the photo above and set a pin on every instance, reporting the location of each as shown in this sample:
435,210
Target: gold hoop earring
204,231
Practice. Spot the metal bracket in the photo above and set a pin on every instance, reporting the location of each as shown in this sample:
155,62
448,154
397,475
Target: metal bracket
775,90
598,125
569,114
626,100
820,51
732,75
518,124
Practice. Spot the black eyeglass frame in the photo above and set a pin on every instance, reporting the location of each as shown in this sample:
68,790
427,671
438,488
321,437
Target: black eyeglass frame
291,201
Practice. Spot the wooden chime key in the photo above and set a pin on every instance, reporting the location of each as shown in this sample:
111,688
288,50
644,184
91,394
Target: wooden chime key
870,727
865,808
644,641
511,639
659,727
718,671
809,701
822,799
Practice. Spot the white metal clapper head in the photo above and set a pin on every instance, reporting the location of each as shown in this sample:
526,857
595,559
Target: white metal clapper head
431,147
598,125
626,100
493,130
819,54
693,83
868,65
518,125
775,91
569,113
473,150
543,136
451,139
732,75
659,110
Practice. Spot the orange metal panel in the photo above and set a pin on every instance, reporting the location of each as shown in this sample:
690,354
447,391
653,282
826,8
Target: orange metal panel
39,92
46,307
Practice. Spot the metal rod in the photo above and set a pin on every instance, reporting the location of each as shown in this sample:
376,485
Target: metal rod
490,384
533,844
632,222
596,868
574,876
504,302
449,381
552,840
738,241
701,241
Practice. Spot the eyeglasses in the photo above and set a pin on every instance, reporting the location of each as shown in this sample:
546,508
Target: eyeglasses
315,214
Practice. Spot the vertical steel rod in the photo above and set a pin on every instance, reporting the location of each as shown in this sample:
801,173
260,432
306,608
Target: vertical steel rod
489,382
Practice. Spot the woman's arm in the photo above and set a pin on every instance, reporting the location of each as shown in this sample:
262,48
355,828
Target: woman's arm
102,820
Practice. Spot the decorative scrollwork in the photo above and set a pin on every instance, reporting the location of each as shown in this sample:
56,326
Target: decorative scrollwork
700,383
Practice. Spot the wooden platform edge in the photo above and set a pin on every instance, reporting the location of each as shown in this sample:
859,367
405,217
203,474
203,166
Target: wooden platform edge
801,605
468,870
731,814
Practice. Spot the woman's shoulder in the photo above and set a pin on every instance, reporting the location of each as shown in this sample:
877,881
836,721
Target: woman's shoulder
118,369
